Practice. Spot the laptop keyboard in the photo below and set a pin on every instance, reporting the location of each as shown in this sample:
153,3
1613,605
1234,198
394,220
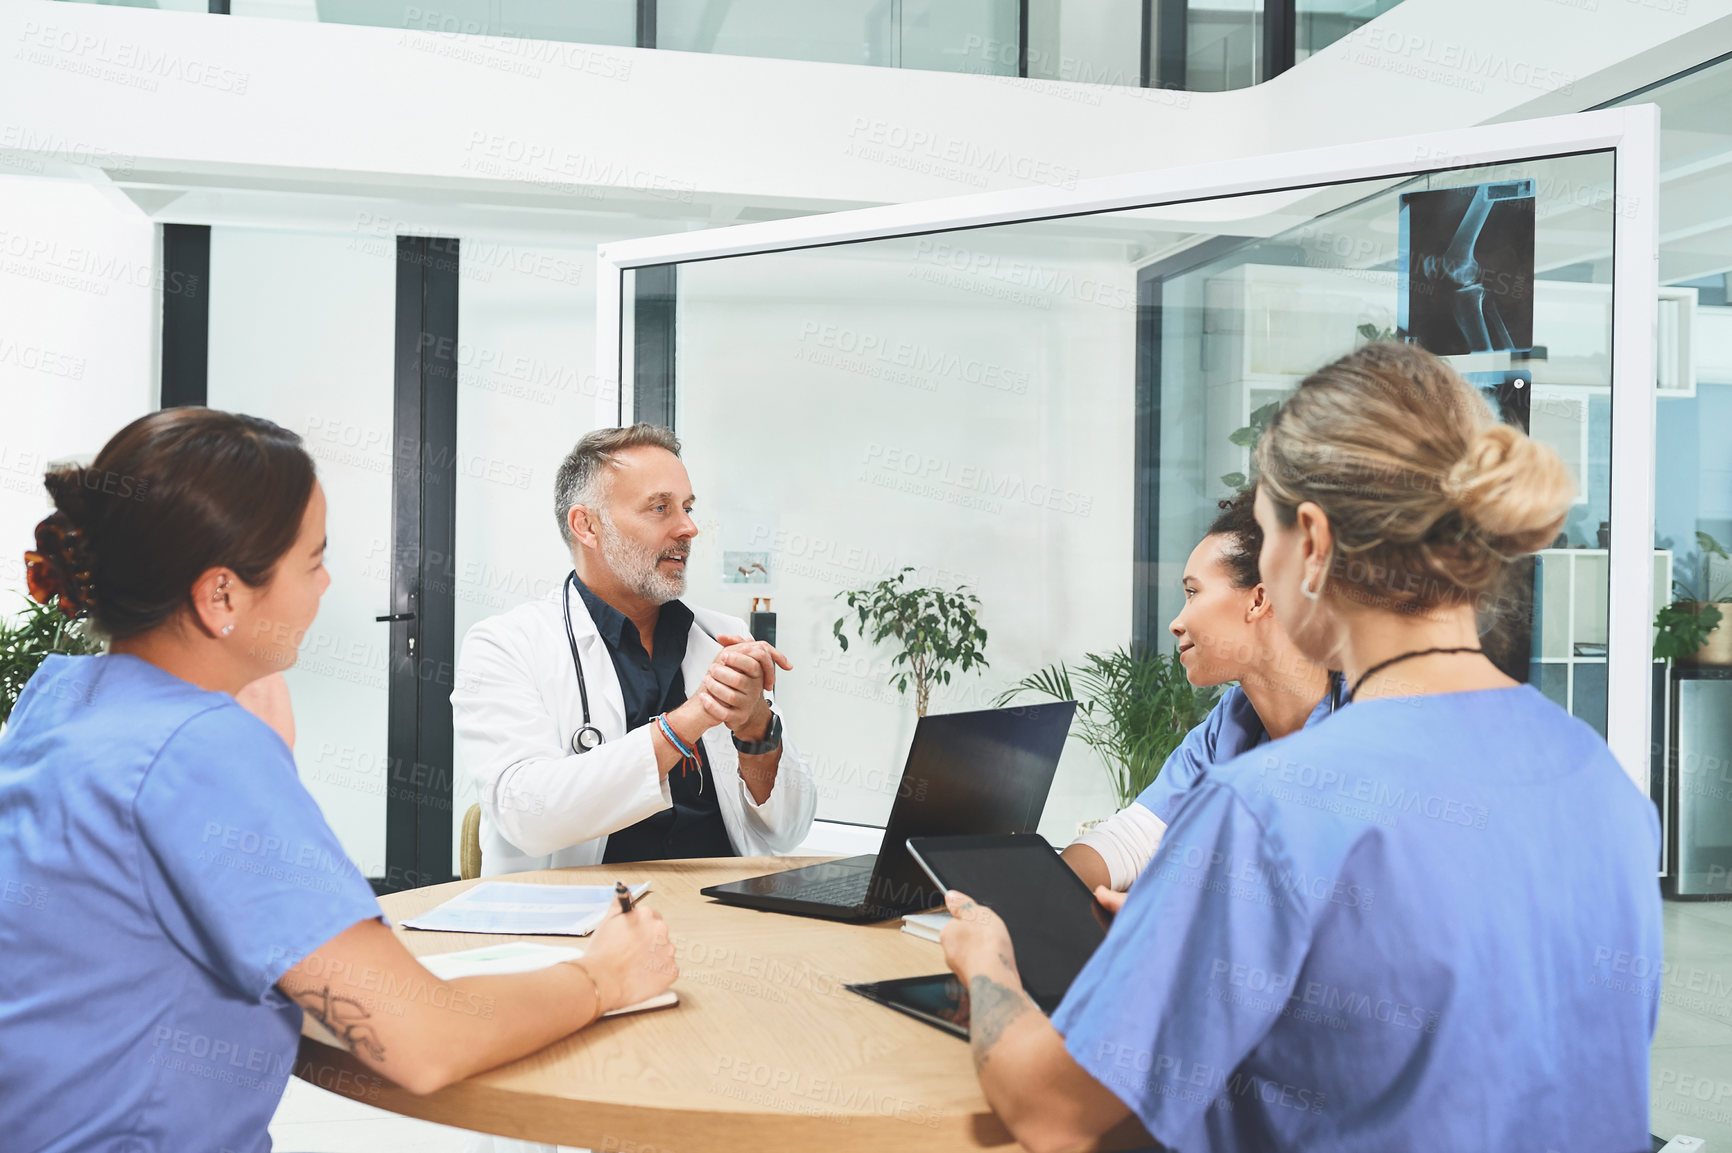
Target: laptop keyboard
840,883
846,891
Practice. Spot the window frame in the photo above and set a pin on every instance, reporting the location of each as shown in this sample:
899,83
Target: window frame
1630,133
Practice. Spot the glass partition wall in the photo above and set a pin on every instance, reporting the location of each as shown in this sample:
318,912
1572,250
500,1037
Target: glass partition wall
953,405
1043,397
1238,332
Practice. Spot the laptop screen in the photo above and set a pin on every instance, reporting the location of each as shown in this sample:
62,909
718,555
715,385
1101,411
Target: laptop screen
978,772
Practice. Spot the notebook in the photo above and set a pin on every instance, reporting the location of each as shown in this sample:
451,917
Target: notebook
521,957
926,926
517,909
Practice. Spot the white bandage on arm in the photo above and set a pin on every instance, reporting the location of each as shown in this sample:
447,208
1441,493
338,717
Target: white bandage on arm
1127,842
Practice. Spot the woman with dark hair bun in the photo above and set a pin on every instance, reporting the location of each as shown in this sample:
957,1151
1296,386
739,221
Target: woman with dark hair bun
1410,928
1226,632
176,898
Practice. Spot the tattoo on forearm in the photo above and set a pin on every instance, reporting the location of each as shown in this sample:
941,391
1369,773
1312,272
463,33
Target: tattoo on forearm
992,1008
344,1016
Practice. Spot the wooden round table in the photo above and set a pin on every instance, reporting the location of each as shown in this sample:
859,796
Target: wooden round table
766,1052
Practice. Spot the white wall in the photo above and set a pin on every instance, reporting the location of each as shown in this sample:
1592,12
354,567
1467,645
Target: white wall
301,333
849,411
78,309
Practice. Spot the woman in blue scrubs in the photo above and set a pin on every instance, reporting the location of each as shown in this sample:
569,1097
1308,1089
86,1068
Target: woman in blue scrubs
1226,631
175,899
1396,930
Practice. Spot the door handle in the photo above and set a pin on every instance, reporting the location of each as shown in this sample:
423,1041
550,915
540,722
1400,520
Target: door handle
397,617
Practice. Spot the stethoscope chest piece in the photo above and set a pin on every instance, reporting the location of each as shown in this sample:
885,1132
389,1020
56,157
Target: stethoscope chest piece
586,738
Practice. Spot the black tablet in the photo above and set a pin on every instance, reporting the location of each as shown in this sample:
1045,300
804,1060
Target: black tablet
939,1000
1054,921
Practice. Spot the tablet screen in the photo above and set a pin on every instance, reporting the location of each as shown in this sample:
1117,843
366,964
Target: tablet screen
939,1000
1053,919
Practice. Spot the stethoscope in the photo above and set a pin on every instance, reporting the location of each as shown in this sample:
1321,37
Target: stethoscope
588,736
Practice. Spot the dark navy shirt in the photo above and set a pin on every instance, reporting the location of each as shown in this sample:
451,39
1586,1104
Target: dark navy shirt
651,685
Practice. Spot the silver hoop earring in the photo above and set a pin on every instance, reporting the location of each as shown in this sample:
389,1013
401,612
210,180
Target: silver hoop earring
1308,592
227,629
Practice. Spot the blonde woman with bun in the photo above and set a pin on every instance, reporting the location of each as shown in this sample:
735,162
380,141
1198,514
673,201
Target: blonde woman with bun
1397,930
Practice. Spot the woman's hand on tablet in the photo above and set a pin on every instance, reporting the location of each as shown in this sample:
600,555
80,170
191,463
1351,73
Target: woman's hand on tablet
976,941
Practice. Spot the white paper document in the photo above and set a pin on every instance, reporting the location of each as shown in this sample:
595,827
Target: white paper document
520,957
523,910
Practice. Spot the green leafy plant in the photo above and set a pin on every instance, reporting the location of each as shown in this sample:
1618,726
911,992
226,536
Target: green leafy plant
24,644
1370,332
1248,437
1683,626
935,630
1133,709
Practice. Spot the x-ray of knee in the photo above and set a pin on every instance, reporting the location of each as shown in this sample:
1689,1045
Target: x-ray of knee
1467,267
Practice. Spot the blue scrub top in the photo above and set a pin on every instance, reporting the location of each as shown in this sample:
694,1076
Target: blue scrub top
160,868
1404,929
1231,728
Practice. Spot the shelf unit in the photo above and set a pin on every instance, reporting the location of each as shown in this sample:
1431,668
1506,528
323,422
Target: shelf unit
1569,653
1266,326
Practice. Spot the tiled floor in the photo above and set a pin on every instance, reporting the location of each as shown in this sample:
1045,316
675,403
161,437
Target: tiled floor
1692,1062
1691,1068
310,1120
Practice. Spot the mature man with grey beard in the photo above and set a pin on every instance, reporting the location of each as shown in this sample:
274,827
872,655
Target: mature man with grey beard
667,747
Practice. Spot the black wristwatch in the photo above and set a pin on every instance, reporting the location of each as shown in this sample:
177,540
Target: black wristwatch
771,742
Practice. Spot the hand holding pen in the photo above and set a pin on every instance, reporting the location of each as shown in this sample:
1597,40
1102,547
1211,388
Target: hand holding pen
630,958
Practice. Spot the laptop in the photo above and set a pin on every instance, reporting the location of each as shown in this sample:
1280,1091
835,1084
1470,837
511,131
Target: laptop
978,772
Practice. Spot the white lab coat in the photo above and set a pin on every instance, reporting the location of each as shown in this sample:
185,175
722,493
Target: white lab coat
515,706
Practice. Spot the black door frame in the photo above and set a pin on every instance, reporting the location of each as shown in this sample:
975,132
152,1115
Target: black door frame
422,614
185,372
1166,34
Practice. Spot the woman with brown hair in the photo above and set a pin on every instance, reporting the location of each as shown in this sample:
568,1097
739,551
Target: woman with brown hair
1403,929
186,899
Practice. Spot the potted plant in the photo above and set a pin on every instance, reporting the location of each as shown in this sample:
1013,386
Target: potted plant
1247,437
1694,628
1133,709
935,630
40,631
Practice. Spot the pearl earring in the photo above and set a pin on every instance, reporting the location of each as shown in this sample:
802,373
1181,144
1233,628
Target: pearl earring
227,629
